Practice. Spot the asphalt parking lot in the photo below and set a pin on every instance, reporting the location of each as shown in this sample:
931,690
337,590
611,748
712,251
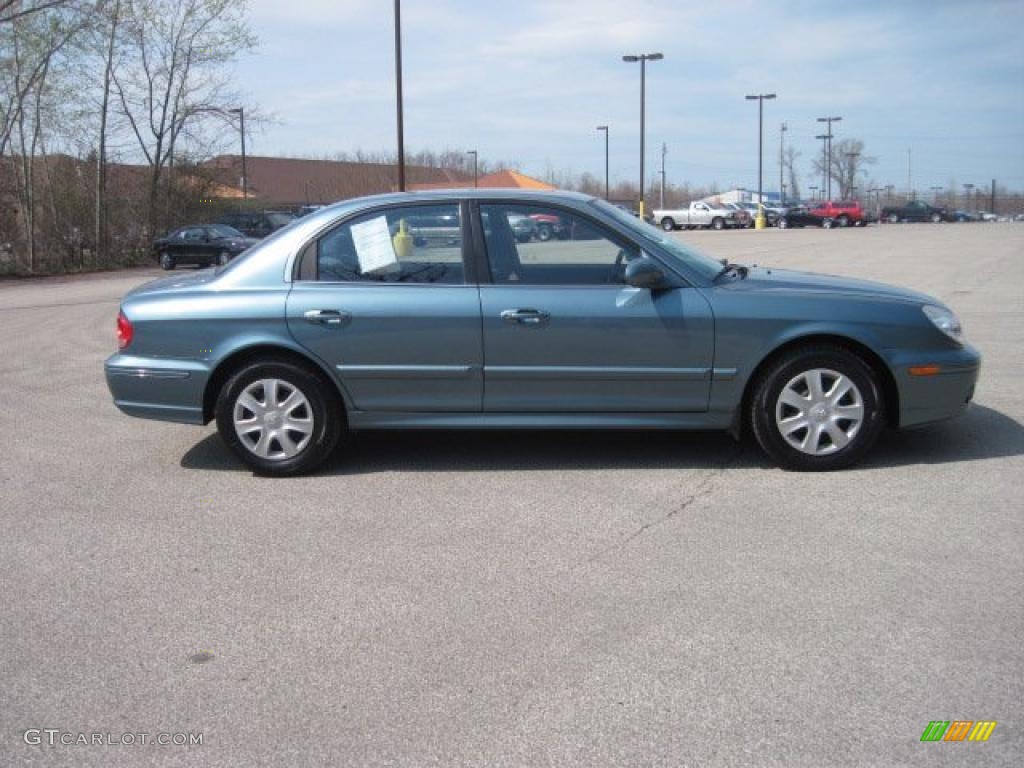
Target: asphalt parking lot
526,599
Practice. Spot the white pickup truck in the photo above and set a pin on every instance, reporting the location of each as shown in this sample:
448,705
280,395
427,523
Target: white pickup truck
699,214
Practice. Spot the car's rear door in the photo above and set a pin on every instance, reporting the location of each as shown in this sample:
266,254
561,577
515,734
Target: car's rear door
564,333
396,318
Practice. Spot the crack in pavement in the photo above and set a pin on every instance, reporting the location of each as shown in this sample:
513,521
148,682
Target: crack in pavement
703,489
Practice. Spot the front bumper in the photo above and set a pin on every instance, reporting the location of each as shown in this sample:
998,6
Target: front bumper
945,395
156,388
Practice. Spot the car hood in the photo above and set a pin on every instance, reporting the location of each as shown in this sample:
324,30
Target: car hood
791,281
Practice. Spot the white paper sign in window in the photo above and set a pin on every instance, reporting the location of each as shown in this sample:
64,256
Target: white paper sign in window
374,249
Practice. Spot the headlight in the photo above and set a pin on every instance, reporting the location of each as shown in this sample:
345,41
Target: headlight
945,321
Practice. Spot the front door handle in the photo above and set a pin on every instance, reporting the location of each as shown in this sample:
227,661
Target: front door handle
333,317
526,316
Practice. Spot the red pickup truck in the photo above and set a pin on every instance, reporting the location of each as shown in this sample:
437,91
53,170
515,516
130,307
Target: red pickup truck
842,212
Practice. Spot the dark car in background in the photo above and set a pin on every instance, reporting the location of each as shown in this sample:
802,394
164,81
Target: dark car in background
916,210
801,216
200,244
257,224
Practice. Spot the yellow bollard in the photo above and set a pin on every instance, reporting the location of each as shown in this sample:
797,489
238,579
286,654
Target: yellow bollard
760,222
402,241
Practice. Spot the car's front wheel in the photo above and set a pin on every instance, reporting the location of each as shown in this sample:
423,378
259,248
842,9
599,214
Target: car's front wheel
279,418
718,223
544,232
817,408
936,218
828,223
167,261
668,224
223,258
783,223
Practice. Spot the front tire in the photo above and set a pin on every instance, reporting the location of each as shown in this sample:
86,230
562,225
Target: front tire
817,408
167,262
544,232
828,224
843,221
783,223
668,224
223,258
936,218
718,223
279,418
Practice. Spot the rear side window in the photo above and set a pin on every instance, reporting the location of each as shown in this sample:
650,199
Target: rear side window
408,244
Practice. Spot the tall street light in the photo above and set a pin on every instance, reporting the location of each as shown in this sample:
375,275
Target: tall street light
643,58
605,129
759,222
782,162
828,176
967,196
473,153
240,111
664,151
398,95
814,192
824,160
936,191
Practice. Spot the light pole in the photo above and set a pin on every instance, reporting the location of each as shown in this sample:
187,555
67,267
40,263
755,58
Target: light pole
967,196
473,153
814,192
824,159
240,111
759,222
643,58
828,156
936,191
398,95
664,151
782,154
605,129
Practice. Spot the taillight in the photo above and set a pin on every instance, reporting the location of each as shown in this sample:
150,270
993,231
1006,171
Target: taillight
124,331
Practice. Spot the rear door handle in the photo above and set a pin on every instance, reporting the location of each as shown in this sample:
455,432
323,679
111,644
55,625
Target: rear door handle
333,317
526,316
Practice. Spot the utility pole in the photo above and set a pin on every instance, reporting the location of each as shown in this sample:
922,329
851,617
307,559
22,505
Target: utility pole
605,129
240,111
473,153
828,153
760,222
936,191
398,95
992,200
852,157
910,177
824,161
967,196
643,58
664,151
782,153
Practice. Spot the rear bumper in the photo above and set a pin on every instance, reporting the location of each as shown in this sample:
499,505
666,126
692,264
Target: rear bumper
945,395
155,388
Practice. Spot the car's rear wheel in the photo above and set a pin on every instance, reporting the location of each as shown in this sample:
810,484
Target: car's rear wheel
279,418
167,261
828,223
783,224
817,408
544,232
936,218
843,221
668,224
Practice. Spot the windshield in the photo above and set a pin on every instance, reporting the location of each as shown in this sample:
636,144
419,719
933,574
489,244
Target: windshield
689,257
223,230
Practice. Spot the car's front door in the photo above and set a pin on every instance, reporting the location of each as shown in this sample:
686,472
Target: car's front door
564,333
394,317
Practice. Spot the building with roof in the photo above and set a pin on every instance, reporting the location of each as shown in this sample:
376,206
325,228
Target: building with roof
503,179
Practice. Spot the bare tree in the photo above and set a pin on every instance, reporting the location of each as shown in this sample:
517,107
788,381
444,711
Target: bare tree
845,162
790,156
172,78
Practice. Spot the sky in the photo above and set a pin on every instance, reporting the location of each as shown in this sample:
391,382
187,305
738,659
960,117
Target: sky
527,82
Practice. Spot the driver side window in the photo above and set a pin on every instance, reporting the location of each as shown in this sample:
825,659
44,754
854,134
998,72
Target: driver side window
537,245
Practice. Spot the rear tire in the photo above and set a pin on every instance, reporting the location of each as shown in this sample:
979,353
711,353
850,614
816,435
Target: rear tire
167,262
843,221
817,408
718,223
279,418
223,258
668,224
544,232
828,224
936,218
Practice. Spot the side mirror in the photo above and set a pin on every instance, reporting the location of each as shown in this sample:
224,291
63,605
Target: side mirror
644,273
